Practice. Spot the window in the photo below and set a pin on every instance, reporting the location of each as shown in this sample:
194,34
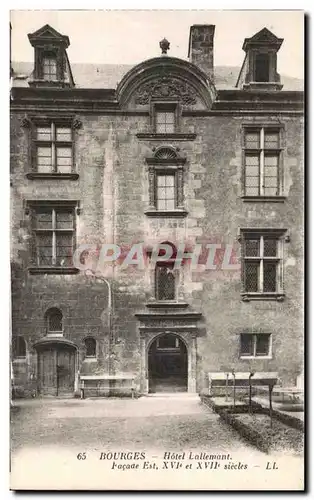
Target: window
165,121
255,345
262,263
53,149
165,281
90,347
261,68
19,347
54,320
166,191
168,341
262,162
49,66
54,232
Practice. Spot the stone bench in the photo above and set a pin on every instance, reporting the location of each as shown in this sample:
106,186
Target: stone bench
107,385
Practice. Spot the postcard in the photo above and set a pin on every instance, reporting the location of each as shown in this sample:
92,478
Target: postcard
156,177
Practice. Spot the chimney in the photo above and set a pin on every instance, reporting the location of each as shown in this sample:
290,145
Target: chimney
201,48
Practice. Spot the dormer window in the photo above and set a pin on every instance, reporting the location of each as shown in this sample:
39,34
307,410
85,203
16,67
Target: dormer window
49,66
259,69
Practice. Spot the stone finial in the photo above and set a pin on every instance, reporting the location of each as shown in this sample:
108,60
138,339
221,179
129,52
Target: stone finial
164,45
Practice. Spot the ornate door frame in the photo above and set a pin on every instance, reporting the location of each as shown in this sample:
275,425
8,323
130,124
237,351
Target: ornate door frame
189,339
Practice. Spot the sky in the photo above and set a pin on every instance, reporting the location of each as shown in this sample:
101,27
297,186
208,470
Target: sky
129,37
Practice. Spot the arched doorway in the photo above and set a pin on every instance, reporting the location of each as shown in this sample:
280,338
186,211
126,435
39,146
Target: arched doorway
56,367
168,364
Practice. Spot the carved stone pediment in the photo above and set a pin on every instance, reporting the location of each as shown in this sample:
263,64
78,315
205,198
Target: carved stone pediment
166,88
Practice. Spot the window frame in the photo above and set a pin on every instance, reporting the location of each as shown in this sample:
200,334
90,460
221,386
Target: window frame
54,144
261,235
19,358
32,123
49,55
53,333
166,166
88,357
165,106
32,209
254,337
169,264
263,152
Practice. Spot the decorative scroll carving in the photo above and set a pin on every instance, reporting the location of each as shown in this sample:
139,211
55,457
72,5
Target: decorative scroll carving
166,88
25,122
76,123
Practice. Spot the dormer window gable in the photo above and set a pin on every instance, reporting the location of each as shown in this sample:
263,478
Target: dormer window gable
259,69
51,63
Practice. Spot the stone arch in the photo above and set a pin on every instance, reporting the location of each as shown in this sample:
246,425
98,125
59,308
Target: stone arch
166,78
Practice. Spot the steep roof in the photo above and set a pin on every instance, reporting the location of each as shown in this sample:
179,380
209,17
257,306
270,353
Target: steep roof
96,76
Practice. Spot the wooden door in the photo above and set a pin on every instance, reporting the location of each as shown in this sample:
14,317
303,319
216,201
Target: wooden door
65,371
47,375
56,371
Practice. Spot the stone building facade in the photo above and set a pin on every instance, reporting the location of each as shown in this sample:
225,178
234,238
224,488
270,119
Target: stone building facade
168,151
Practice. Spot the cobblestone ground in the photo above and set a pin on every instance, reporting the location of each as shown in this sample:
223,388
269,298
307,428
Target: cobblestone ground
147,423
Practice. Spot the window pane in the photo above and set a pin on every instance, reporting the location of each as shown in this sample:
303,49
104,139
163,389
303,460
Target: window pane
64,160
161,204
270,247
165,283
252,140
262,345
54,317
50,68
167,341
252,248
64,249
247,345
271,191
44,249
44,159
271,140
90,346
251,276
64,219
43,133
44,219
19,347
165,122
63,134
270,276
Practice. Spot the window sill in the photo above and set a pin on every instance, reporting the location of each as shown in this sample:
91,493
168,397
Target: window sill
54,334
90,360
151,212
173,136
255,357
53,270
52,175
166,303
258,199
19,360
247,297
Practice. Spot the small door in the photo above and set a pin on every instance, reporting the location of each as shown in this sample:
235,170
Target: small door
56,371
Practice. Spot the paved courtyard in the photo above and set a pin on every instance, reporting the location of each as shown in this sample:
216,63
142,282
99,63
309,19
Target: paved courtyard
177,422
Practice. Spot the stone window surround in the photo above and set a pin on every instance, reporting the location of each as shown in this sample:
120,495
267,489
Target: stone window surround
30,123
280,198
31,206
166,166
282,236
